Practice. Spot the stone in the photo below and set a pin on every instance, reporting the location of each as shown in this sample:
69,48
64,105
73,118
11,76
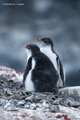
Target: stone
27,106
33,106
54,108
20,103
3,102
38,105
7,105
73,92
8,92
74,103
64,102
16,103
56,102
30,98
10,108
44,104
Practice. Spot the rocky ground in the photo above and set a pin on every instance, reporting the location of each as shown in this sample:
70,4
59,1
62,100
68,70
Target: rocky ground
17,104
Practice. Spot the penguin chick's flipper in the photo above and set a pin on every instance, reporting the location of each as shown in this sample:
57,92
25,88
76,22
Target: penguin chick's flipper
61,80
62,73
28,68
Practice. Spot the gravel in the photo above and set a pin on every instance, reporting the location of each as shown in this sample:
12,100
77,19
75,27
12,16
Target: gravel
13,97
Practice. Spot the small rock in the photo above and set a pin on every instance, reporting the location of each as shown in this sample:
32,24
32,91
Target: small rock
74,103
54,108
27,106
1,81
56,102
24,93
3,102
21,102
30,98
7,105
37,98
38,105
33,106
7,92
64,102
52,97
43,96
12,108
44,104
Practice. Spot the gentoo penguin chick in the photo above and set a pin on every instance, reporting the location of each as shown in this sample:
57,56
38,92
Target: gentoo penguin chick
47,49
40,74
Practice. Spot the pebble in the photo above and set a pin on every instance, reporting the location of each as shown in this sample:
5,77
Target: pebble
44,104
37,98
52,97
41,96
7,105
33,106
7,92
69,102
1,81
11,108
54,108
3,102
74,103
64,102
27,106
24,93
30,98
38,105
56,102
21,102
15,97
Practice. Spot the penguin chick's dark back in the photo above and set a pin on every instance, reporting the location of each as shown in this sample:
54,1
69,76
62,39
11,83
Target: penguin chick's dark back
40,74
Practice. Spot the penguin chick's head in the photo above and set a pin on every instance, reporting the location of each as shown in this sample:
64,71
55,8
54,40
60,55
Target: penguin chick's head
31,49
45,41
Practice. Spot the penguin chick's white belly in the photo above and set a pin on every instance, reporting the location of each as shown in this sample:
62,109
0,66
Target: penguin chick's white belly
29,86
47,51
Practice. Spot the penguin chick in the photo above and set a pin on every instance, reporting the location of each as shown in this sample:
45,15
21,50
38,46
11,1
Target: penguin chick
47,49
40,74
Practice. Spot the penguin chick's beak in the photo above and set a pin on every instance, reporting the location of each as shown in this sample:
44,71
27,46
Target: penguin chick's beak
24,45
39,40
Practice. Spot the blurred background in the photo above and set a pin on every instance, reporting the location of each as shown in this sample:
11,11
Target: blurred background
58,19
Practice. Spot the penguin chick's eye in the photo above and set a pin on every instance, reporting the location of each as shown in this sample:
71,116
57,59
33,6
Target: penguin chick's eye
46,41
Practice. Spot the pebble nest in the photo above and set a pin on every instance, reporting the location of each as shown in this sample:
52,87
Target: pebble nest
13,96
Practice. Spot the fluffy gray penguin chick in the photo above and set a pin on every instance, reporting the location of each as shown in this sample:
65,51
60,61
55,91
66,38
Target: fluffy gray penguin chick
40,74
